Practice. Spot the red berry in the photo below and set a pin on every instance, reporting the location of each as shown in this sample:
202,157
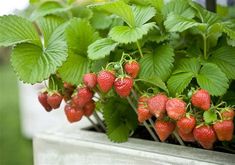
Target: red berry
90,80
201,99
73,114
186,124
176,108
105,80
186,137
132,68
89,108
224,130
123,86
205,136
42,98
54,100
227,114
142,110
157,104
164,129
84,95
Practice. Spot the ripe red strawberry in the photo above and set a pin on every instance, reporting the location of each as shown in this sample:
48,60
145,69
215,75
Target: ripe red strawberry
123,86
90,80
83,96
54,100
164,129
105,80
201,99
157,104
42,98
227,114
186,124
176,108
142,110
205,136
89,108
186,137
224,130
132,68
72,113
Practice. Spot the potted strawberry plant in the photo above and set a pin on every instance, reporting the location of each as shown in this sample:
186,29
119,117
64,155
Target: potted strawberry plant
165,69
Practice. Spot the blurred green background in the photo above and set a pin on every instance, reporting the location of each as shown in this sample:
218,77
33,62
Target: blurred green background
14,148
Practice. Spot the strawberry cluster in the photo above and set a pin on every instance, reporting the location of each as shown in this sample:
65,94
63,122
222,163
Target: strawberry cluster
173,115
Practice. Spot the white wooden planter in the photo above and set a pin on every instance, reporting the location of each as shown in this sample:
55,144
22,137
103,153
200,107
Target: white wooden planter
71,146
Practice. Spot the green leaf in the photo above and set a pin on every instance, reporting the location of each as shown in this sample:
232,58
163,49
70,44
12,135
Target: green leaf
48,24
212,79
178,82
154,81
158,4
48,7
225,27
185,70
142,14
120,120
101,20
205,15
160,63
224,58
155,35
125,34
177,23
34,64
14,30
188,65
80,35
209,116
119,8
74,68
101,48
179,7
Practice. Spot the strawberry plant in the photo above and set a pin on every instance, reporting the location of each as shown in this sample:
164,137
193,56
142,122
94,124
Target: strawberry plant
168,67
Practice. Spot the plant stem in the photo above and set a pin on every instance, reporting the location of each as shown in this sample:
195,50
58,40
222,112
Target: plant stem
145,123
178,138
99,120
205,46
94,125
139,48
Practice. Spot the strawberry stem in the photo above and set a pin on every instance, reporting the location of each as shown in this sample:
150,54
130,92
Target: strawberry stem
145,123
94,125
139,48
178,138
99,120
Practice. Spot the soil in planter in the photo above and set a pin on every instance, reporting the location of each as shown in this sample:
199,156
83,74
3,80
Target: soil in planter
142,133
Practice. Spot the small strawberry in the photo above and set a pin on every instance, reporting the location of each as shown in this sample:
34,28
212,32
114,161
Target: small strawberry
164,129
186,124
54,100
90,80
186,137
227,113
201,99
83,96
132,68
105,80
205,136
142,110
89,108
157,104
72,113
224,130
176,108
123,86
68,86
42,98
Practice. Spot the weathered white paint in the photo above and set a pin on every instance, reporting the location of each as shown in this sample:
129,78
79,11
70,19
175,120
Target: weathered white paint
71,146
